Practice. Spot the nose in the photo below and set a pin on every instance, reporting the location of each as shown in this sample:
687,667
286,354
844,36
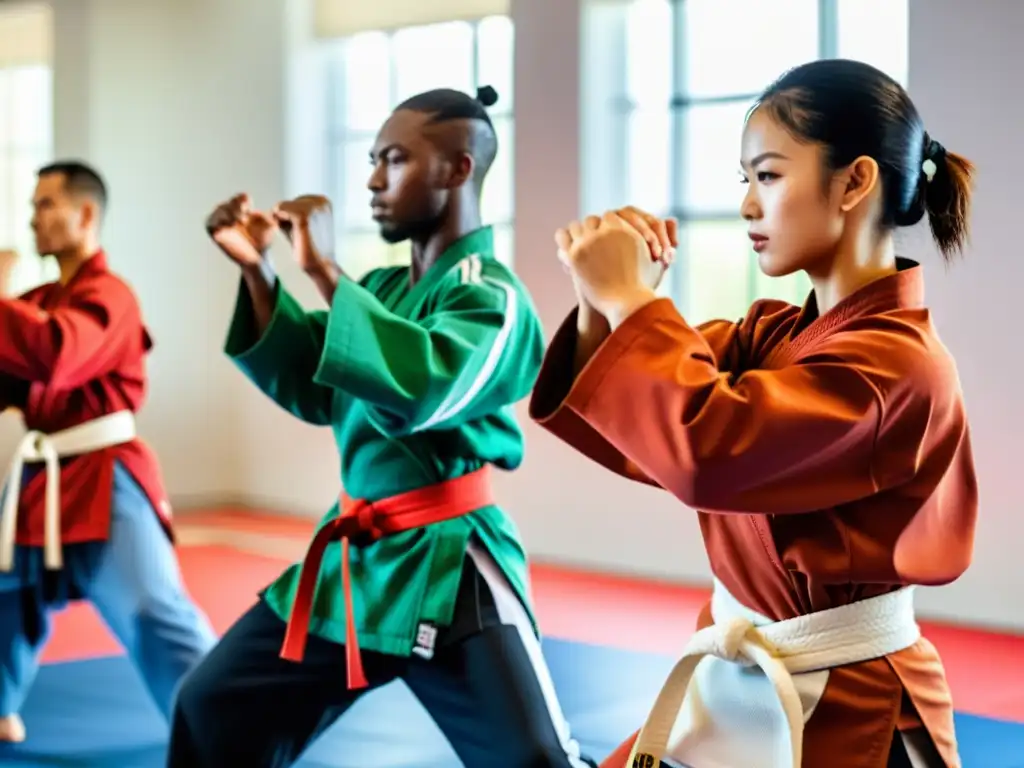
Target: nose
750,208
377,181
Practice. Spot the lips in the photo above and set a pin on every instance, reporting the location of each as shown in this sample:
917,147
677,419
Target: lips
760,242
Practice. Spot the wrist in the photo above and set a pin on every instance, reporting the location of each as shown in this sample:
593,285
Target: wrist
589,321
628,305
260,272
320,269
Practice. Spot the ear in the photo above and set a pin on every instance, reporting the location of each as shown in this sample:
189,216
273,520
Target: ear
461,170
861,179
90,213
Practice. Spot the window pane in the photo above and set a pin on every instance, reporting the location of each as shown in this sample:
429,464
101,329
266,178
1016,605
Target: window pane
718,275
7,110
504,244
6,198
23,186
710,157
364,251
30,271
499,197
365,92
496,59
31,102
736,47
876,32
648,183
21,182
649,61
352,198
433,56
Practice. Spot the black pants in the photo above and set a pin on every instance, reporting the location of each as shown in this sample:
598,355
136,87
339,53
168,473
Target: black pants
924,749
244,706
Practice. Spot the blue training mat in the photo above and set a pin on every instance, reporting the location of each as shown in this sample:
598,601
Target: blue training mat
96,714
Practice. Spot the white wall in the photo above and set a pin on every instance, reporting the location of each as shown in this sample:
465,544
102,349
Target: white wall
958,54
178,114
182,103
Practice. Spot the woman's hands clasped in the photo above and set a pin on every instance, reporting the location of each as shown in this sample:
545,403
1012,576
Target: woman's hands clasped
617,260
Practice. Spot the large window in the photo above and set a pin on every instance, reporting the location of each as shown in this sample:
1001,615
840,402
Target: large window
670,106
26,132
370,74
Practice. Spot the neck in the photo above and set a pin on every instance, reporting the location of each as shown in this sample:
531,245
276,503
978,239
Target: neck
854,265
462,219
71,260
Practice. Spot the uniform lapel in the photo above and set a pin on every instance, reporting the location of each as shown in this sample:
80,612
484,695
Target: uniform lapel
479,241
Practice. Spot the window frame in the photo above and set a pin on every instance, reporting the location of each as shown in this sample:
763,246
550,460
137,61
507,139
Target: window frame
679,107
338,136
16,155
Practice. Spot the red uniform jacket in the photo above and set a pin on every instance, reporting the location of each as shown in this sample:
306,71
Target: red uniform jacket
829,458
70,354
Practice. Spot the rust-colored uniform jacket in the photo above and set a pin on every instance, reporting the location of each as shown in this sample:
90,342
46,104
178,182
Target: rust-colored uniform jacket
829,458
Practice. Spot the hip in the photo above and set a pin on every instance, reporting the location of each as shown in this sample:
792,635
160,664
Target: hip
753,692
400,582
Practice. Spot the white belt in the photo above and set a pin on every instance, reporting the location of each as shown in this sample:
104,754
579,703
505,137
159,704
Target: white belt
836,637
35,447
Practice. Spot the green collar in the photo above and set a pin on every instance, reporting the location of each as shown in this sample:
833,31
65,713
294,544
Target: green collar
479,241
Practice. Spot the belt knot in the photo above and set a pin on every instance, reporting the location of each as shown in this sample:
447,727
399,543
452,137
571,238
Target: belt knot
360,523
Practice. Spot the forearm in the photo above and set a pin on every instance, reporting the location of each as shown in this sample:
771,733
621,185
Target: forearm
260,281
325,276
575,344
592,329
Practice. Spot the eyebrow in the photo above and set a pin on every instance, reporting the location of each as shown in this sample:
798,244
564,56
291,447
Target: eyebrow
376,153
764,156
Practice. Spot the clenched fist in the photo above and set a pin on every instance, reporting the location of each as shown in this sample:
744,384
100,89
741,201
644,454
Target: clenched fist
308,223
244,234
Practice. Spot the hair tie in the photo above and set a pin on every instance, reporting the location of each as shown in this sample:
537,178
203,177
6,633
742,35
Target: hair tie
933,154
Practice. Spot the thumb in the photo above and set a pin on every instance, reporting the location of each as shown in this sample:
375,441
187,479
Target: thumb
292,223
263,218
563,257
563,240
281,214
285,213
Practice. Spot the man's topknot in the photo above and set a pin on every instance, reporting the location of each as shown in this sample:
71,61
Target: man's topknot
444,104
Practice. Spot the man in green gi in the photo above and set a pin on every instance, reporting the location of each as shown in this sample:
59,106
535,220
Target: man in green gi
416,574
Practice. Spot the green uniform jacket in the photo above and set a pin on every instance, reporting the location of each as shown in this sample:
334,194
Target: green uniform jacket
418,385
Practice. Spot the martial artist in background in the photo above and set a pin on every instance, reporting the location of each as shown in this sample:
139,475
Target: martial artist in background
85,513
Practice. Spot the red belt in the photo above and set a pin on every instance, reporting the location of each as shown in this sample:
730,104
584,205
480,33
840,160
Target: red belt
369,521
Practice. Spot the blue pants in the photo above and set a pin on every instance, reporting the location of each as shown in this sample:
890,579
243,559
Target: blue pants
132,580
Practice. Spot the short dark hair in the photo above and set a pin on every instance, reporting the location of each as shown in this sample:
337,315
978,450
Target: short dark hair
80,179
852,109
446,104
